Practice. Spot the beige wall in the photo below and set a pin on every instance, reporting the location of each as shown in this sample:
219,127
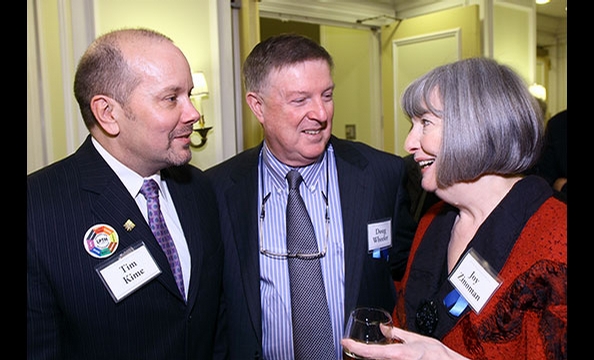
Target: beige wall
356,56
512,39
187,22
54,127
52,106
53,117
356,73
249,33
465,18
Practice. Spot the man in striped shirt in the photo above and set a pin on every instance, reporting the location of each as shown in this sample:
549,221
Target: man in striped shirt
354,194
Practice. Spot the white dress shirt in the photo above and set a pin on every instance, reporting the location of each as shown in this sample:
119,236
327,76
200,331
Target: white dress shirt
320,177
133,182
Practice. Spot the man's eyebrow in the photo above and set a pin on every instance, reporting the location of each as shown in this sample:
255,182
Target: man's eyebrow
171,89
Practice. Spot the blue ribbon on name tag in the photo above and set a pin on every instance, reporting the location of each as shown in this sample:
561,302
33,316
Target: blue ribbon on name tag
384,254
455,302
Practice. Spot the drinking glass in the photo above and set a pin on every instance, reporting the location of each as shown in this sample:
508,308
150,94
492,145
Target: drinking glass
363,325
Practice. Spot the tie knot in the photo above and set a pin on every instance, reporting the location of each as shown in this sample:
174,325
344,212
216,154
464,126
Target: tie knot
294,179
149,189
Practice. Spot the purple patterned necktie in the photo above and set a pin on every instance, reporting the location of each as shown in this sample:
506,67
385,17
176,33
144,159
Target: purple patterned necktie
150,190
312,328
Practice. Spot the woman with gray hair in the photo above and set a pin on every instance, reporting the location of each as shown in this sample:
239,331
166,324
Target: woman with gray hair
487,273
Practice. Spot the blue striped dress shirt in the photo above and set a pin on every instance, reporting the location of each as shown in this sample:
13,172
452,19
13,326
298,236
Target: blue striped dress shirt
320,177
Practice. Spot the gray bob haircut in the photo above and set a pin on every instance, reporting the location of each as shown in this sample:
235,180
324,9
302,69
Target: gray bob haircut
492,124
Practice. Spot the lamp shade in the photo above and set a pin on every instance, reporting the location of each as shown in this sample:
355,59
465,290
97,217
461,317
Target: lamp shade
538,91
200,86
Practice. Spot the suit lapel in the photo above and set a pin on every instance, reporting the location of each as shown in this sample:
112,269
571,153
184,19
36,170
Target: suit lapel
187,205
114,206
241,198
350,165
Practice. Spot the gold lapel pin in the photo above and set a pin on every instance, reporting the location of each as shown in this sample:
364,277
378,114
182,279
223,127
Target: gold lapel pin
129,225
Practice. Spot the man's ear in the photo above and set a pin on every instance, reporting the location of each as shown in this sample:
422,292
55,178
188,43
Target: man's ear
255,103
107,111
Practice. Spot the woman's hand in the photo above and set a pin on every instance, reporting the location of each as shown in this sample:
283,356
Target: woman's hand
412,347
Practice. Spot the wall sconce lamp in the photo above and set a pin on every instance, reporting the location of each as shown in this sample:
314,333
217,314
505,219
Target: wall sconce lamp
199,91
538,91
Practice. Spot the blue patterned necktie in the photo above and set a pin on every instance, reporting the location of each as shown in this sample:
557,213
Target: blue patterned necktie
312,329
150,190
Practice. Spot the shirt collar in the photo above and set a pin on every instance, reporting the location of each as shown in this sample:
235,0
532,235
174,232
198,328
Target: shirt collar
278,170
131,180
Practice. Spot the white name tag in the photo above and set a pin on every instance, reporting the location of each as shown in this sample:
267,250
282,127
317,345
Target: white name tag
379,235
474,280
129,271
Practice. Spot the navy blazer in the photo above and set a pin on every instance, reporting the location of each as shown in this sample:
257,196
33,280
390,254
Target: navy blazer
371,188
70,314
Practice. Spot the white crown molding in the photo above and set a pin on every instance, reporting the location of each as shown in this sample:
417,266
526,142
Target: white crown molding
331,13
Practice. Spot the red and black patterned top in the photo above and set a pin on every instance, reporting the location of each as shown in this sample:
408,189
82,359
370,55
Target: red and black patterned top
524,240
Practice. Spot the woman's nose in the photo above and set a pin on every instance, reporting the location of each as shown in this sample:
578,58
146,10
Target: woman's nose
411,143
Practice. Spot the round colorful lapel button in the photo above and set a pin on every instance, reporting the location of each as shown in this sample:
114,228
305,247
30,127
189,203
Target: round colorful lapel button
101,241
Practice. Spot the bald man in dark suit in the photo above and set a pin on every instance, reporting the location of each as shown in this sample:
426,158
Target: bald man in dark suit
99,285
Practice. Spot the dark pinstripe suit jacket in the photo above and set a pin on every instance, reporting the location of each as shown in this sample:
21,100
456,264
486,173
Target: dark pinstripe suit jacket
371,188
70,314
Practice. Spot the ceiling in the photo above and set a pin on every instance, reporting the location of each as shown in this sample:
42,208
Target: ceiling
405,8
555,8
551,19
